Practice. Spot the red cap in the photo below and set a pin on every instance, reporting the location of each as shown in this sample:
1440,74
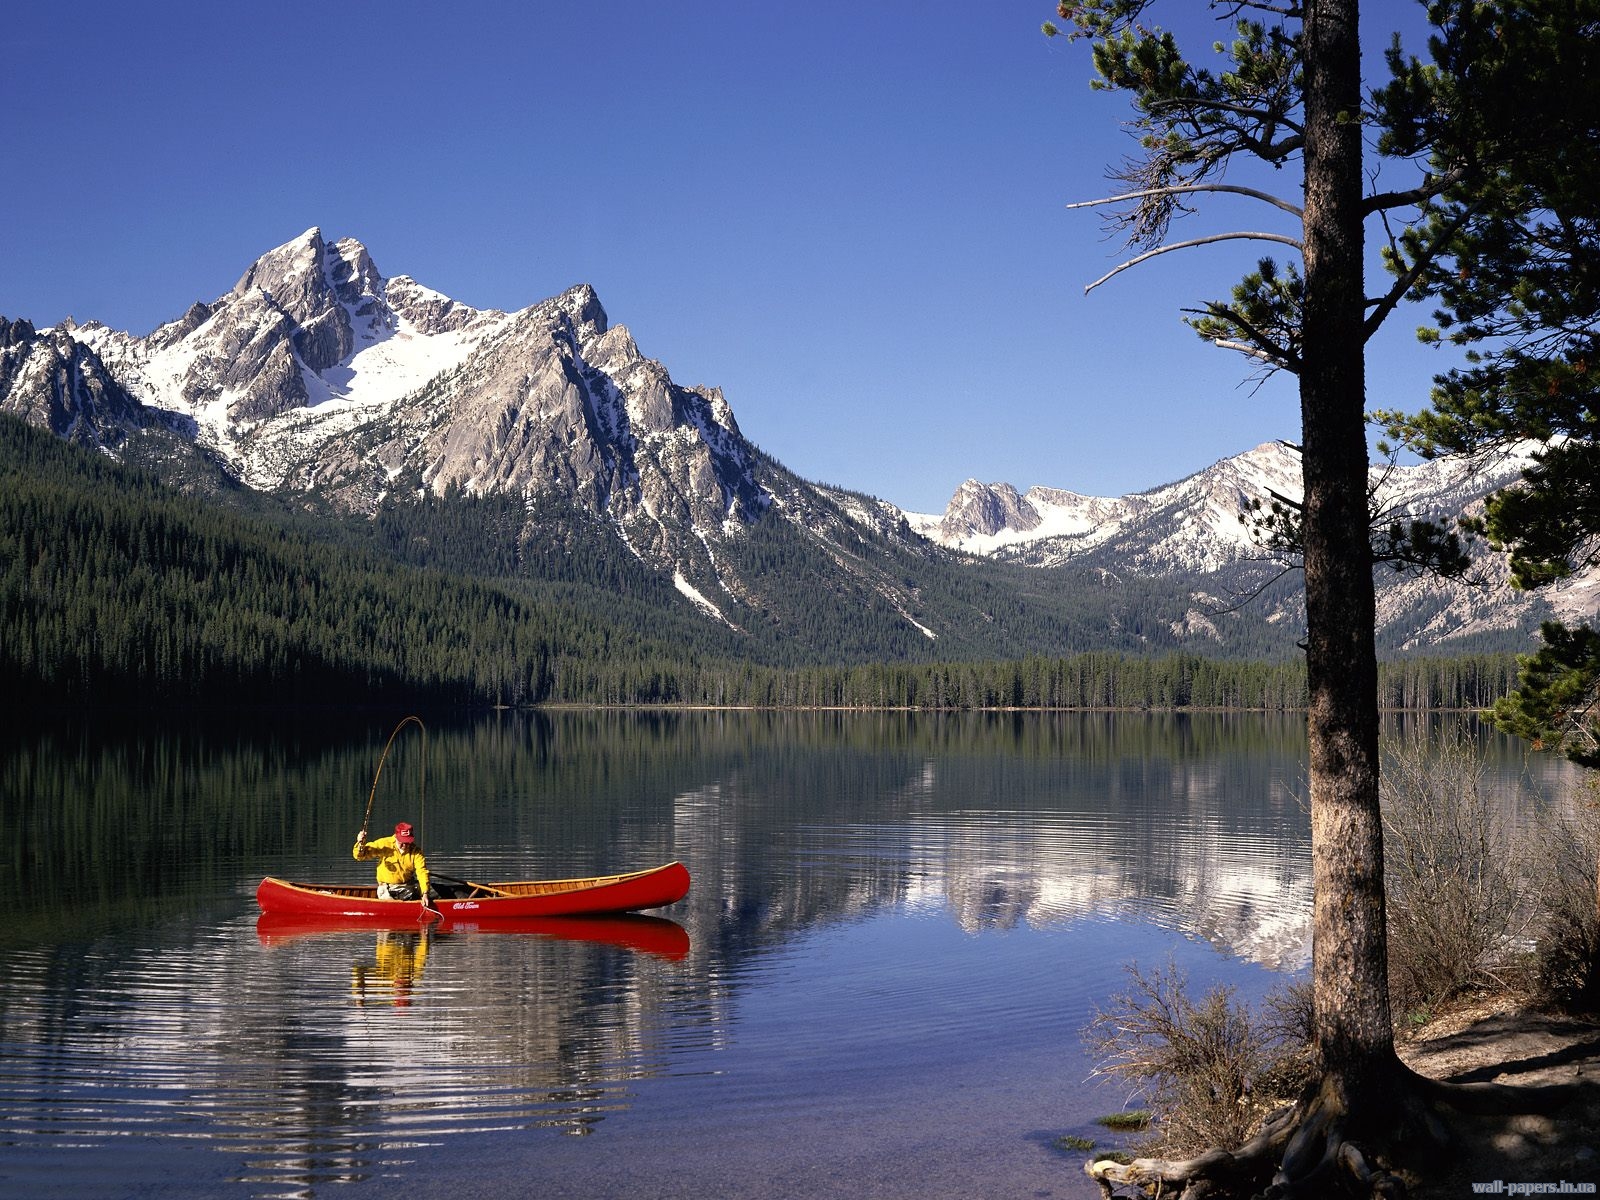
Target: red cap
402,832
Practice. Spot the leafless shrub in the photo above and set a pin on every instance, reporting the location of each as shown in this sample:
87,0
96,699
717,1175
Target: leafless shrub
1208,1070
1456,897
1289,1015
1567,957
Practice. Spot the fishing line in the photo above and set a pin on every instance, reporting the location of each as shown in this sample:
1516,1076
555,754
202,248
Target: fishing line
422,793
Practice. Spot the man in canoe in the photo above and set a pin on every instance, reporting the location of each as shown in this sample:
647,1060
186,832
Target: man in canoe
402,868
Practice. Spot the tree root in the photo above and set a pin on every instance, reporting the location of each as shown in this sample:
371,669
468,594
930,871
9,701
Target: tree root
1318,1146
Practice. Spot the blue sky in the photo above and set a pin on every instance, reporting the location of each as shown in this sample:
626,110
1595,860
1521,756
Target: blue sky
849,216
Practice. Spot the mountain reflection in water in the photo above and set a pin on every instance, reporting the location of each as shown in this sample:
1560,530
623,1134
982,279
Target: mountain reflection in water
889,911
1193,823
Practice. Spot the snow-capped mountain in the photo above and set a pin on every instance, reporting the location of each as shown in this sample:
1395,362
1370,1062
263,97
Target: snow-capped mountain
317,377
1192,525
317,373
1204,526
52,380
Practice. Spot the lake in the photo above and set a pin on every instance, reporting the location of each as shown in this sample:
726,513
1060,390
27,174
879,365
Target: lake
898,928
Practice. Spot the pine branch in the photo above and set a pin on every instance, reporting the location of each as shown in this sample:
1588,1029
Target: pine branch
1388,302
1259,346
1431,186
1262,115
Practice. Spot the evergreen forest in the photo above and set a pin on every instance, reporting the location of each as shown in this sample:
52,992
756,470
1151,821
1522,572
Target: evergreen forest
117,588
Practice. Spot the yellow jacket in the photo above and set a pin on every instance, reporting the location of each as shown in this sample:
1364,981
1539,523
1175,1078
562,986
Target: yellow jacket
395,864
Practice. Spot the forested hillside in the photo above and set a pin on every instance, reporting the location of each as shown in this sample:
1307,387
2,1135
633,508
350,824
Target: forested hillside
118,589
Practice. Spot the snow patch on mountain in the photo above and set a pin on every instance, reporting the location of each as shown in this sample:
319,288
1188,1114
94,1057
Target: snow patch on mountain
697,597
388,367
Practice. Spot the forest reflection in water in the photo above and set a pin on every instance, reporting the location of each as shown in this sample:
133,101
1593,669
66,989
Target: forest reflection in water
945,897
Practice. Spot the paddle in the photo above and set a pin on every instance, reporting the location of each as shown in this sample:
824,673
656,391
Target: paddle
482,887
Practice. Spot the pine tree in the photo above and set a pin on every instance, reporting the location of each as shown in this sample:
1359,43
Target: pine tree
1519,287
1291,93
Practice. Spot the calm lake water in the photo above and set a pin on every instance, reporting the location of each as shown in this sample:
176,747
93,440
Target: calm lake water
898,927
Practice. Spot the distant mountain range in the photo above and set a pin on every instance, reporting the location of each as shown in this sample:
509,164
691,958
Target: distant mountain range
320,380
1193,529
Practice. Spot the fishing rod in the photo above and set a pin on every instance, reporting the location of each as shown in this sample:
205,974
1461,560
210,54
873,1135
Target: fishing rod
366,819
422,796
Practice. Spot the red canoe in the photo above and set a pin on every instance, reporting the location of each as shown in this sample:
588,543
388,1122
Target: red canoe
626,931
488,901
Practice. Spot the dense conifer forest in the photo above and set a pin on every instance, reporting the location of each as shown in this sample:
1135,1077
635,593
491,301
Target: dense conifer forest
116,588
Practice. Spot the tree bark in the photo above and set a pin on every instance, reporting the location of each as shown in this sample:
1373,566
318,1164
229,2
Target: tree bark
1349,948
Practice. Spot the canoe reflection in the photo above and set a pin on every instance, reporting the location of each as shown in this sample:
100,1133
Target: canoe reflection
647,935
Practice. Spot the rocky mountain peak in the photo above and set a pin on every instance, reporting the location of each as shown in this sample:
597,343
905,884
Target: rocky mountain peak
16,333
582,303
427,311
985,509
53,381
288,272
721,410
352,272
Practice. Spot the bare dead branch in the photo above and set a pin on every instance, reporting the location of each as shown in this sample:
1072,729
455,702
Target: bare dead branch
1280,238
1234,7
1262,1148
1177,190
1255,352
1247,596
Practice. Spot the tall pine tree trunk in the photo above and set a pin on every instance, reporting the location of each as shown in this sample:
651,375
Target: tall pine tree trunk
1368,1110
1349,949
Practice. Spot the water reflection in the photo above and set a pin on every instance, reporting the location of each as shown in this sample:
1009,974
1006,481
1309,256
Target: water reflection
631,931
143,994
398,962
323,1049
1002,821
